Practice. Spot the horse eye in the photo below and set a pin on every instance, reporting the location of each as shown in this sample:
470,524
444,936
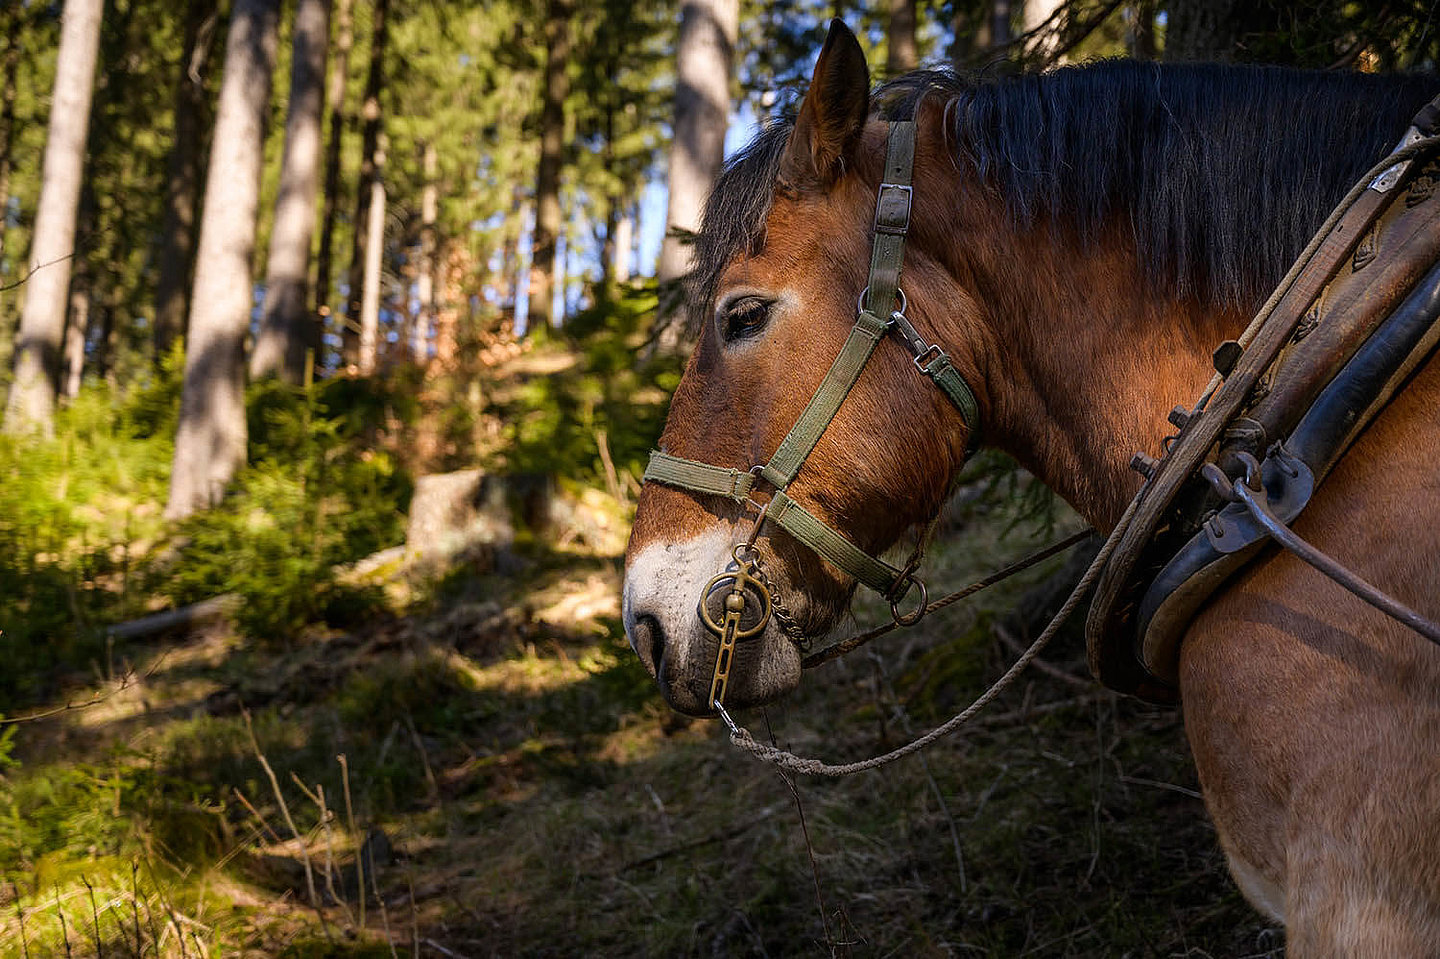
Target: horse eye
745,317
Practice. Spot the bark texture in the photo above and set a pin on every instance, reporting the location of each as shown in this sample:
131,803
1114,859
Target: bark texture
335,105
425,281
42,319
704,61
374,250
182,188
287,326
904,54
369,144
210,441
544,245
7,116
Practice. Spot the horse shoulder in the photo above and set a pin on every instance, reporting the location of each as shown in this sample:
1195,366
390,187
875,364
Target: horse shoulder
1313,717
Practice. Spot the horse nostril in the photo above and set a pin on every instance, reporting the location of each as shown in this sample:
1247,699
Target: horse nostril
649,643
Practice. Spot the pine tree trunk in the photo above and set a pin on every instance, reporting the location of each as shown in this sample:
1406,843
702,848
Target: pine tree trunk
369,143
374,255
703,61
624,238
335,104
904,55
1032,17
544,244
1000,23
42,319
76,327
182,187
210,441
1140,30
425,282
7,116
287,326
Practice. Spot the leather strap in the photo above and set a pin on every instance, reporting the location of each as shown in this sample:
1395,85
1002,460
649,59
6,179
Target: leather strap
877,315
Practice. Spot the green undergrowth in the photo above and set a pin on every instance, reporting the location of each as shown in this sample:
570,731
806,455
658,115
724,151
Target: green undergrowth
521,791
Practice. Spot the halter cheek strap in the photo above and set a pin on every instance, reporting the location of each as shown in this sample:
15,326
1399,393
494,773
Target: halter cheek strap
877,316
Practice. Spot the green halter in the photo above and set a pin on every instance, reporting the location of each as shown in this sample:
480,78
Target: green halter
892,220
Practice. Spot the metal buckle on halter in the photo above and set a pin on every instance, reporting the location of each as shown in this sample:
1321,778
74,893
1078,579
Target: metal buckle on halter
892,209
930,354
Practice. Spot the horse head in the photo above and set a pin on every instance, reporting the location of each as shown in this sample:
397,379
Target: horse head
782,261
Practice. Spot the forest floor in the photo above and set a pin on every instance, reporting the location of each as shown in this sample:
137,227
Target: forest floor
485,770
522,791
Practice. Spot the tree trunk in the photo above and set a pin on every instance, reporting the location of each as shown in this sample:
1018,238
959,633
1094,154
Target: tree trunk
624,238
545,237
1140,30
374,254
1033,16
75,329
182,187
210,440
971,36
335,104
1000,23
287,326
703,61
425,282
42,319
904,55
1218,29
370,139
7,116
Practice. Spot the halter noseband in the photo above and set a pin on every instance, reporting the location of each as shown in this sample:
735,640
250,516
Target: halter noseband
892,221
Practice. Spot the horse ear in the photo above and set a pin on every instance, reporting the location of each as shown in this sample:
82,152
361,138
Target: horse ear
833,113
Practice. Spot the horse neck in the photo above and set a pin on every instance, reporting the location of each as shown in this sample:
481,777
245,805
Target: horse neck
1084,362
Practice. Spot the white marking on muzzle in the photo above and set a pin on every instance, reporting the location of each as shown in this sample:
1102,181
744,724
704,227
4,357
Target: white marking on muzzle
664,581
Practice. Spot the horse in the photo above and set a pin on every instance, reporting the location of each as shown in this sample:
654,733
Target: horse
1077,244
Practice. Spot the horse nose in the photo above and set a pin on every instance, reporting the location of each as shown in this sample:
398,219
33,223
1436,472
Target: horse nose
647,638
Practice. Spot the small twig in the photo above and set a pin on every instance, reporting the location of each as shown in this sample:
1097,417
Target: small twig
20,914
1044,709
694,844
1172,787
36,269
135,907
325,817
126,682
809,847
1049,669
414,916
289,821
169,912
274,836
95,917
64,930
424,758
441,949
384,915
354,836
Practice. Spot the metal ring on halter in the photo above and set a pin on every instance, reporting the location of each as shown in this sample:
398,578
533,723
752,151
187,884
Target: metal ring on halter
860,303
918,613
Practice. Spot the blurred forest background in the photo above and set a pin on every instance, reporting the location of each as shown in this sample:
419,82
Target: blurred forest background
334,335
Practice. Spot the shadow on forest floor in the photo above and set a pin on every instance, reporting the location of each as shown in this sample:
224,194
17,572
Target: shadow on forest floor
513,786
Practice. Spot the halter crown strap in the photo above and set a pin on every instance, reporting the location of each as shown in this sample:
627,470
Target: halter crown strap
877,315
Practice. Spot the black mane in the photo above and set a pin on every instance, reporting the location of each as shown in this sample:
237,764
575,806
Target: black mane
1223,172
